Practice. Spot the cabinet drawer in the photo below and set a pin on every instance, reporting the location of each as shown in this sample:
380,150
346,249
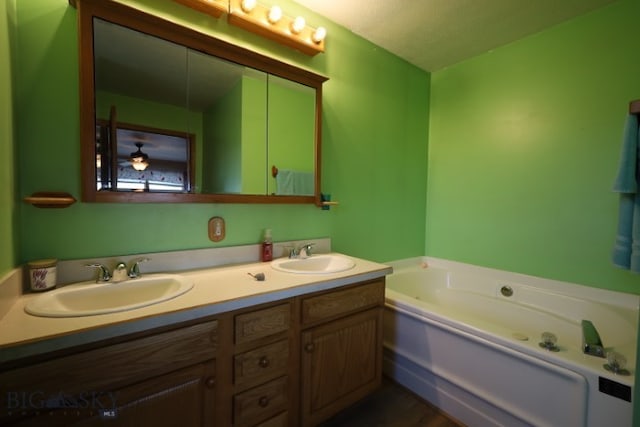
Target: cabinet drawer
260,403
280,420
261,364
340,302
261,323
118,364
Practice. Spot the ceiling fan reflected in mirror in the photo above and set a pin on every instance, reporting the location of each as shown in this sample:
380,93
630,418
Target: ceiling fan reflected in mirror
139,160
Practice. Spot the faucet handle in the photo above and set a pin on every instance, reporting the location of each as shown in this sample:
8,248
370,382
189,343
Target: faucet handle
305,250
548,341
103,272
134,271
616,363
290,251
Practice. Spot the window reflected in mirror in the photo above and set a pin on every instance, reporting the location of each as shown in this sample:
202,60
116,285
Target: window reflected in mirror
134,158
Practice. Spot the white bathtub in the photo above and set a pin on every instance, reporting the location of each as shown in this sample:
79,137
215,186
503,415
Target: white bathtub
454,339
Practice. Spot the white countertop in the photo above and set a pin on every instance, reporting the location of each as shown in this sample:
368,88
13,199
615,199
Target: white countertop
215,290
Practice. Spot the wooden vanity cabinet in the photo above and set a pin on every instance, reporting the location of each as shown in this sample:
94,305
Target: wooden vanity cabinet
341,349
167,378
291,362
300,361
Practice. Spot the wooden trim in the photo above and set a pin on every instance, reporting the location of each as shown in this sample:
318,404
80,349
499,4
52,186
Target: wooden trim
134,197
210,8
318,149
634,107
113,147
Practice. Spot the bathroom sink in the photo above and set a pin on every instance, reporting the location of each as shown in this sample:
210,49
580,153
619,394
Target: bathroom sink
88,298
315,264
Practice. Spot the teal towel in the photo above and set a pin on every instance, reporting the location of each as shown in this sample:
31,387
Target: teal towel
627,179
626,251
289,182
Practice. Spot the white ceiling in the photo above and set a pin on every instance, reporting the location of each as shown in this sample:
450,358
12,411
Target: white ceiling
434,34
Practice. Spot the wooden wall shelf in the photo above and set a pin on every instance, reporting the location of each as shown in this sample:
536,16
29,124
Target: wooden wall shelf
50,200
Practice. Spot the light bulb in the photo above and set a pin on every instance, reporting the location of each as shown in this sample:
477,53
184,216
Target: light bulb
248,5
297,25
275,14
319,34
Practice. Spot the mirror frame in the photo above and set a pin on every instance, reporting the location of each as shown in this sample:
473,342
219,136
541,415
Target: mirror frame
153,25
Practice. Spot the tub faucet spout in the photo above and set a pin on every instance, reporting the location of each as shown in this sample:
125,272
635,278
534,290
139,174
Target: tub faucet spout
591,342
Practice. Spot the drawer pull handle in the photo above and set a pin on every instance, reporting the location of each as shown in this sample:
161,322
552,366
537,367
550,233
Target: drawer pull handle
263,402
263,362
309,347
210,382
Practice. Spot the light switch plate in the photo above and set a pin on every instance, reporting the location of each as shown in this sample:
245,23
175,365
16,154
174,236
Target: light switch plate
216,229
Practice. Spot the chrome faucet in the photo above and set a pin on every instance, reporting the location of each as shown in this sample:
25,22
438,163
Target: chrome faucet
591,342
120,273
103,272
303,251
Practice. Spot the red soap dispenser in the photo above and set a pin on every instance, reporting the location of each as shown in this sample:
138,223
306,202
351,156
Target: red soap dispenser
267,246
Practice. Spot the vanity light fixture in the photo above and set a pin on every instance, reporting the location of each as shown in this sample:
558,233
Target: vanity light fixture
214,8
272,23
138,159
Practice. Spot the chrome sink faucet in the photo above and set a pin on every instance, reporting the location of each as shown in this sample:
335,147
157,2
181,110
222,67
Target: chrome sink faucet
120,273
303,251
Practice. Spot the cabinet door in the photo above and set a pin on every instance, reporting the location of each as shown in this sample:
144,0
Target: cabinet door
181,398
341,363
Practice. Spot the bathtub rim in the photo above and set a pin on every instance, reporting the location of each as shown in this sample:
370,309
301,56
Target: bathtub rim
624,300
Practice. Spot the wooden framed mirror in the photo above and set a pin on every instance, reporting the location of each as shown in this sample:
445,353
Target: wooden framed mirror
241,127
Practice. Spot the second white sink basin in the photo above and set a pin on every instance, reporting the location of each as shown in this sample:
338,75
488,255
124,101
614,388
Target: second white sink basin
87,299
315,264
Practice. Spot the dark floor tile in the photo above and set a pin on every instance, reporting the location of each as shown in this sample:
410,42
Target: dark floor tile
391,406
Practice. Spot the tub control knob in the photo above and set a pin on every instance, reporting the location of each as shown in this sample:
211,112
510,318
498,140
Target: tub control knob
548,342
616,363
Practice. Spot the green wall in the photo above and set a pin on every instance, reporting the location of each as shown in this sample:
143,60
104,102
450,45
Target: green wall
523,151
8,214
374,157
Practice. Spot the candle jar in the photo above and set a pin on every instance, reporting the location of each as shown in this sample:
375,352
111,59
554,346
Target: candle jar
42,274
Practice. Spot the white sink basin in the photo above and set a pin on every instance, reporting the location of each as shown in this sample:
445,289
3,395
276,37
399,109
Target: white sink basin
88,299
315,264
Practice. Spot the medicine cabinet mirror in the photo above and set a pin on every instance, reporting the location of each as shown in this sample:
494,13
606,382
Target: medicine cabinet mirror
169,114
